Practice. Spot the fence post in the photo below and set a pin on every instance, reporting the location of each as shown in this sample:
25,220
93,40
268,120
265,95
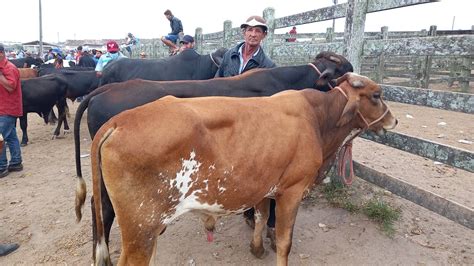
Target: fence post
227,40
466,65
198,40
354,32
381,61
268,43
329,34
428,62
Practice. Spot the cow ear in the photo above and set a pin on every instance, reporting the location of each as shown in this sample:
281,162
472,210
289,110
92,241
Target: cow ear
349,111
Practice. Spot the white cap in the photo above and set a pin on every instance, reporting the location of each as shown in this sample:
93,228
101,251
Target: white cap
254,21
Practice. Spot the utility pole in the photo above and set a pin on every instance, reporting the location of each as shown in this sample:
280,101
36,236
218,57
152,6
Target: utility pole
454,18
334,20
41,31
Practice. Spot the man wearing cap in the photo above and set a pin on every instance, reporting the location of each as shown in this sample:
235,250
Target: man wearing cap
186,43
113,53
248,54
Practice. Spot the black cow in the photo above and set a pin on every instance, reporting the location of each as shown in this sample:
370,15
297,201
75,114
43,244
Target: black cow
47,69
80,82
188,65
27,62
112,99
39,96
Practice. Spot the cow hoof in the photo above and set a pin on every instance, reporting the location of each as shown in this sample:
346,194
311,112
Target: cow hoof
23,144
54,137
66,131
271,235
258,252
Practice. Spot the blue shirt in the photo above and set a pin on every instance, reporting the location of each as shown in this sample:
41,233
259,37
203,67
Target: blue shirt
106,58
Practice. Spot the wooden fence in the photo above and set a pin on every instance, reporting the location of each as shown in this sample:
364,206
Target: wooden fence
421,58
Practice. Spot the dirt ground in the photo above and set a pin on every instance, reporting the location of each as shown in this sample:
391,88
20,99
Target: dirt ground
36,209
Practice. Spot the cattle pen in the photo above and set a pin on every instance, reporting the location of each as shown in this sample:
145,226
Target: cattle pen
428,160
410,66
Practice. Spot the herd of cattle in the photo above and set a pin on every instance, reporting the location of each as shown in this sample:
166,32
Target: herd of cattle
153,160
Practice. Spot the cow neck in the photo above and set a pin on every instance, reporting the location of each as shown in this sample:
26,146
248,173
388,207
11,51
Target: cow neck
333,137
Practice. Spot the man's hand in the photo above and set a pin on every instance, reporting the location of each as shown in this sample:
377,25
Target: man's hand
4,82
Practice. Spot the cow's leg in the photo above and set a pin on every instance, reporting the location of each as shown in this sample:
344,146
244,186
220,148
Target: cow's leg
138,235
66,125
108,216
261,215
61,116
52,119
286,210
271,225
24,126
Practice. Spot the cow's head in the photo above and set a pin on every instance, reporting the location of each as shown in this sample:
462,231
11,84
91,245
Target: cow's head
364,99
332,66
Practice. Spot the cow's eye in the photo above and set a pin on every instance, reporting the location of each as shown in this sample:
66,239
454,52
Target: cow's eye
376,96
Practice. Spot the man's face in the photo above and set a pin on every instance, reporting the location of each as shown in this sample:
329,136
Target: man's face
254,35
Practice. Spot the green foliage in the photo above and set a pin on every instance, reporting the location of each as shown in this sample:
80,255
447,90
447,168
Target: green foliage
383,214
340,196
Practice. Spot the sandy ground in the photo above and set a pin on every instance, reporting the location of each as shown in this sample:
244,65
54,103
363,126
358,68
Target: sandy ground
36,209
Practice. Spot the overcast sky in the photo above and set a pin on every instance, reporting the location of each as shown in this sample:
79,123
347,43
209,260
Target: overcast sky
103,19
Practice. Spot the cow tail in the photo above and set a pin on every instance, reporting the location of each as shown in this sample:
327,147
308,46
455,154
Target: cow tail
102,256
77,124
81,190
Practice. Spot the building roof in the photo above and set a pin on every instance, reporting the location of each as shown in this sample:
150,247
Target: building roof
37,43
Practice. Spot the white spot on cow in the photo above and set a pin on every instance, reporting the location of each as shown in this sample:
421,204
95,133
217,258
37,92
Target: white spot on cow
183,178
139,225
222,189
141,204
271,193
212,166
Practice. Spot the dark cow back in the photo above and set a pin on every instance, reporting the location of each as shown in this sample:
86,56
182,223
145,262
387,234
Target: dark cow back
188,65
27,62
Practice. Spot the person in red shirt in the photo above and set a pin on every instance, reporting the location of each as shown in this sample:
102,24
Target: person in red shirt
11,107
293,35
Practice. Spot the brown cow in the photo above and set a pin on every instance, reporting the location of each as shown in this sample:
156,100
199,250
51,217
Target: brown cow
27,73
216,156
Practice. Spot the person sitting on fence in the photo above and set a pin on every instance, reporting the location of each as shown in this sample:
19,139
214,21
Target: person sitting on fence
130,41
292,35
171,39
186,43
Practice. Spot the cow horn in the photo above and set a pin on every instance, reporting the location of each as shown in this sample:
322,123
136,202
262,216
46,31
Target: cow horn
342,79
335,59
349,111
